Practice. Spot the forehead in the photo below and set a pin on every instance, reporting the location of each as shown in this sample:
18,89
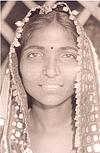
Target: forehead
53,35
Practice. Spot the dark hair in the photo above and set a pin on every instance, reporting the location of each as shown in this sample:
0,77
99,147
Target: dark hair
38,21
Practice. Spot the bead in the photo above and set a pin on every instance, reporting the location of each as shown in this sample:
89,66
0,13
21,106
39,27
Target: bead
19,125
14,123
16,43
20,116
90,77
96,116
65,9
16,141
79,31
26,19
74,12
75,22
19,23
61,3
92,118
15,93
94,100
71,17
96,108
13,87
13,130
20,30
89,149
91,97
15,116
92,108
95,138
18,35
49,10
21,142
96,148
87,129
33,9
37,7
17,108
29,14
86,87
12,50
88,139
93,128
27,150
17,134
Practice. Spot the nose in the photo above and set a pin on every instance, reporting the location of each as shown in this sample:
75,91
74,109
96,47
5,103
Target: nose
51,68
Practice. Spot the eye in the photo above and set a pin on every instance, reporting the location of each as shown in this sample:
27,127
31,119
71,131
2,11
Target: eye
35,55
69,55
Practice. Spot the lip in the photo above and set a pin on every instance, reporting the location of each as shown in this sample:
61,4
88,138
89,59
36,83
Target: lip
51,87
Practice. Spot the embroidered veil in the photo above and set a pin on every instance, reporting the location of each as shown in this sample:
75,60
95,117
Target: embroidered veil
87,119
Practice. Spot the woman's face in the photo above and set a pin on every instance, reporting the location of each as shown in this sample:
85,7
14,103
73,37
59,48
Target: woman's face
48,63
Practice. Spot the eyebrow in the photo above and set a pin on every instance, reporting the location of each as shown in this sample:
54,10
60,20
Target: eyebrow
34,47
42,47
69,47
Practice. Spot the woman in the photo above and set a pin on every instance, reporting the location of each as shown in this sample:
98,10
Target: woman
55,60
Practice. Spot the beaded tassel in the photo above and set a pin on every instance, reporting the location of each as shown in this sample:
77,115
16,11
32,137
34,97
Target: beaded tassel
88,100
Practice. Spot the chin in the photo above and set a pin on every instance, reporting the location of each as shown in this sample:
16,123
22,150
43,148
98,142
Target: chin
51,100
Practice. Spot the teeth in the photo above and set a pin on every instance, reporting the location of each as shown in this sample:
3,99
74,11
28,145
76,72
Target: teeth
51,86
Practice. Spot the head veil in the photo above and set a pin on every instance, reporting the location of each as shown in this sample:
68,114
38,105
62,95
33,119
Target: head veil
87,120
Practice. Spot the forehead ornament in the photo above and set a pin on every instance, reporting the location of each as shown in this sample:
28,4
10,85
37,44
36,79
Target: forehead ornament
42,10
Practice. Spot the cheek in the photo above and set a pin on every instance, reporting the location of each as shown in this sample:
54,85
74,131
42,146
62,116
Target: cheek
69,74
30,71
69,70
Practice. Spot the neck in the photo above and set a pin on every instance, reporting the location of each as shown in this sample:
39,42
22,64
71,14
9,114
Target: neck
52,117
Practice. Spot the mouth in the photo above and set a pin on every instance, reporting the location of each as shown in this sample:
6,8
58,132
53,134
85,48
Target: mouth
51,87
